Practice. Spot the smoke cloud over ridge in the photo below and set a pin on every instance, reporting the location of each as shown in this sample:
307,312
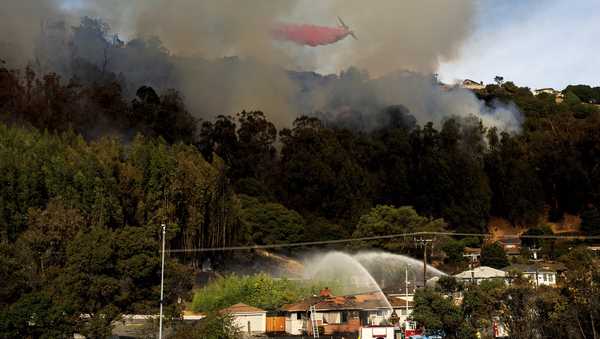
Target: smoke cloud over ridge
221,57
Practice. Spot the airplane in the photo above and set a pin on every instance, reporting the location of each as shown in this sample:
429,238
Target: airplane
311,35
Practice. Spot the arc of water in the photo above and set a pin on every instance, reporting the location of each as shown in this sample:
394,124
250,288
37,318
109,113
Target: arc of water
332,259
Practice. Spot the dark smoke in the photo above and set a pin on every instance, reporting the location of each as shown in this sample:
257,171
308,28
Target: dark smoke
219,55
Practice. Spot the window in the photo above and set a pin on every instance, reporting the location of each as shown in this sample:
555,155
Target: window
298,316
344,317
331,317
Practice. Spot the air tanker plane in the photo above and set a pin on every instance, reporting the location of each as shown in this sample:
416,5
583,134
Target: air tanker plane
311,35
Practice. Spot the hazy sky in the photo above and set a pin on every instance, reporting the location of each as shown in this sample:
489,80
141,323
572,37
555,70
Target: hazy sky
549,43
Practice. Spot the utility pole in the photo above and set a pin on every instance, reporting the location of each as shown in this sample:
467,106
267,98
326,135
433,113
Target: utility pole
424,243
406,287
162,280
535,261
472,258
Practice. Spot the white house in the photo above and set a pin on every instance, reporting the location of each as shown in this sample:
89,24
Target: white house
478,274
547,90
248,319
297,316
474,85
539,274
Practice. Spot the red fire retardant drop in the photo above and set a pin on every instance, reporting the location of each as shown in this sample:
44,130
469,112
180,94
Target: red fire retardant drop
309,34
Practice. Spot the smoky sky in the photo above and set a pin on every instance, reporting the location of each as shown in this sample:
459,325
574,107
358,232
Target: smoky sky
221,57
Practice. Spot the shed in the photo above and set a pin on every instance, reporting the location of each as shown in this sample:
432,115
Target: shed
246,318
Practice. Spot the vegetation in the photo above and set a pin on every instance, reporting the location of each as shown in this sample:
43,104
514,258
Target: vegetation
438,313
260,290
493,255
214,326
91,166
526,311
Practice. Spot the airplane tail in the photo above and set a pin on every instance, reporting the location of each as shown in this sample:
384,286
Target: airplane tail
343,24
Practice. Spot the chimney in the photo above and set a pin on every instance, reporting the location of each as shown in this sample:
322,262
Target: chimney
325,293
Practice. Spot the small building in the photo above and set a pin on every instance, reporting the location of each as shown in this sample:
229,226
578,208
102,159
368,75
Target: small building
344,314
595,248
248,319
547,90
511,245
541,273
472,252
558,95
473,85
479,274
297,316
338,315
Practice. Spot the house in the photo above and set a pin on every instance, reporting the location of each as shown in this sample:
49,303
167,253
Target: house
473,85
345,314
473,253
540,273
479,274
297,316
338,315
546,90
595,248
246,318
558,95
511,245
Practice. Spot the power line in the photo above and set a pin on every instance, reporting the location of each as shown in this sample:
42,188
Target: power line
379,237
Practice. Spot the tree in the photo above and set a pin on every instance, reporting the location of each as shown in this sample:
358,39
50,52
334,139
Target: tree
454,250
257,154
387,220
270,223
320,174
449,285
547,245
493,255
37,315
590,221
499,80
437,313
49,232
481,304
214,326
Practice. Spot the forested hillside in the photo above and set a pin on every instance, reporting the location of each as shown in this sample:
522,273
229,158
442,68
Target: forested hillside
90,167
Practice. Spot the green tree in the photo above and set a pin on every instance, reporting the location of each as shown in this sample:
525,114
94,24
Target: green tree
493,255
320,173
259,290
270,223
481,303
214,326
387,220
438,313
37,315
454,250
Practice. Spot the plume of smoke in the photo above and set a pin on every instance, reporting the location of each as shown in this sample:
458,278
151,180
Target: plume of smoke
428,101
353,99
196,35
20,26
393,35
